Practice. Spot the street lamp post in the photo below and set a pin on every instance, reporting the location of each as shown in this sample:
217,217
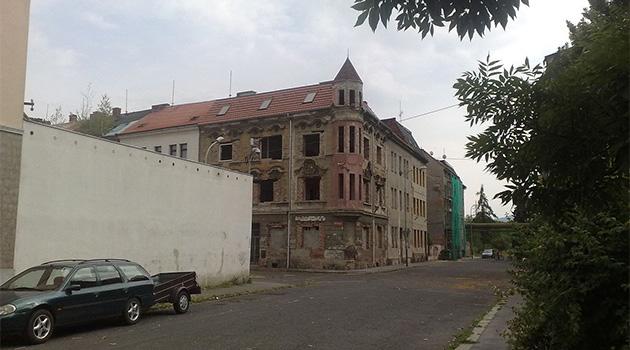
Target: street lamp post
219,139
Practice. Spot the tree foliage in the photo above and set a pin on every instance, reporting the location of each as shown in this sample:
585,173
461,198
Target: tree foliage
483,211
467,17
105,105
559,136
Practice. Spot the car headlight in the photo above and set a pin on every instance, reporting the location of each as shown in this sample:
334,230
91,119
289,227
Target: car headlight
7,309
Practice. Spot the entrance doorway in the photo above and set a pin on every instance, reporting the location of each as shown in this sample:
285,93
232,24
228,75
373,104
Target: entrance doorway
255,244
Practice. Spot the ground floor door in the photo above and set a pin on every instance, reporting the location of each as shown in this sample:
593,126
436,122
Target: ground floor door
255,244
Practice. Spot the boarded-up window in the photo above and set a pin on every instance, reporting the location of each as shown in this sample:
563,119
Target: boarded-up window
311,145
266,191
311,237
311,188
271,147
278,238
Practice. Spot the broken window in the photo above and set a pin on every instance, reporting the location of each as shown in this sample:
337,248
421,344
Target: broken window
266,191
342,141
311,145
271,147
226,152
351,139
311,188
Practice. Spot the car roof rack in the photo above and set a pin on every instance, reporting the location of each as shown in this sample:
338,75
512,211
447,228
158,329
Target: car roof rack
105,260
83,261
62,260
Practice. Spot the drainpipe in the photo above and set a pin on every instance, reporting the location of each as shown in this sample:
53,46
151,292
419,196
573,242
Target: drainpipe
290,178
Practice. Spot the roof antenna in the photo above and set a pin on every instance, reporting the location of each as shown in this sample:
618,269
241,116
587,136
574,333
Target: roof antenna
348,54
126,100
230,83
400,113
173,94
443,153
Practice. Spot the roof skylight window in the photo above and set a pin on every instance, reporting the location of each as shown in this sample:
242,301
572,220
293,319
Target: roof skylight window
310,97
265,104
223,110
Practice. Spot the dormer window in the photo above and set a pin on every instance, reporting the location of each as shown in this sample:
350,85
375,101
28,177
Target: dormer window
342,97
223,110
310,97
265,104
352,98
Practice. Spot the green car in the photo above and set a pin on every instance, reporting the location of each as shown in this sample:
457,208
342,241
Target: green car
67,292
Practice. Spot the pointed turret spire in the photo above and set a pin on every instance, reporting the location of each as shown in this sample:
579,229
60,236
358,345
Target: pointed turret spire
347,72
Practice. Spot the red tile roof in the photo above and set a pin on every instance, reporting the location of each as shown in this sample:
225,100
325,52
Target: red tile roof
241,107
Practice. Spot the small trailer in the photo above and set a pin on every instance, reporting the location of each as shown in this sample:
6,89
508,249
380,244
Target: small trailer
175,288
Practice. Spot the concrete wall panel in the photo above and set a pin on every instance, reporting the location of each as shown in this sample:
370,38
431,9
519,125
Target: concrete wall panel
83,197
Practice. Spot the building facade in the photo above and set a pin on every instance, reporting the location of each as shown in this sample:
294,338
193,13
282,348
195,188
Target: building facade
446,211
323,181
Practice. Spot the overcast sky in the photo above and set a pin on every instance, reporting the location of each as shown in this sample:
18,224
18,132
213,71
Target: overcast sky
143,46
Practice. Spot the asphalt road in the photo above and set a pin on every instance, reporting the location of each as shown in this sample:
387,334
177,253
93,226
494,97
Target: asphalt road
417,308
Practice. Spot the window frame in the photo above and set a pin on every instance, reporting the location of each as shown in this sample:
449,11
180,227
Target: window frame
231,145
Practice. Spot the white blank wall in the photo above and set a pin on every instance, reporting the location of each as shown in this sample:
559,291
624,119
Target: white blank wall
83,197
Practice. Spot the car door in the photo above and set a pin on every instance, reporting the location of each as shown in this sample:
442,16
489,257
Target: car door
79,305
113,293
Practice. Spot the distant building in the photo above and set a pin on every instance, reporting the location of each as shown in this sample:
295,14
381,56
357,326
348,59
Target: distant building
445,210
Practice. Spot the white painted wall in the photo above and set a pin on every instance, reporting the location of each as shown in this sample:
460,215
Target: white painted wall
83,197
165,138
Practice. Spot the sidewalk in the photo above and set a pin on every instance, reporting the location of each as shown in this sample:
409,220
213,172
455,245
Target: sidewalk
487,335
241,289
379,269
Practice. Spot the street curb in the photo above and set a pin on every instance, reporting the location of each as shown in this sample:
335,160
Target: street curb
481,326
356,271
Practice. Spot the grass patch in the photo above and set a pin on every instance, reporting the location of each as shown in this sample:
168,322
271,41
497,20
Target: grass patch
462,336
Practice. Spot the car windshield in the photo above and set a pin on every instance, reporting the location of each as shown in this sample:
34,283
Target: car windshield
38,278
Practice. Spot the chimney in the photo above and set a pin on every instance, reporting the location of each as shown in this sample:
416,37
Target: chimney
116,113
72,118
246,93
161,106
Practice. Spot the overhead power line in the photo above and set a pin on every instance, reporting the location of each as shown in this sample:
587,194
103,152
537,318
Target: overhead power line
430,112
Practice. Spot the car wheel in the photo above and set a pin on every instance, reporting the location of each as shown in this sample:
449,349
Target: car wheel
40,326
132,311
182,303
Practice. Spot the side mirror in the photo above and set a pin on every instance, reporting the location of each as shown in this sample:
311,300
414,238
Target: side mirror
73,287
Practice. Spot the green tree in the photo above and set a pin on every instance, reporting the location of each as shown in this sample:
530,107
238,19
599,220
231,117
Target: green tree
105,105
467,17
483,211
559,136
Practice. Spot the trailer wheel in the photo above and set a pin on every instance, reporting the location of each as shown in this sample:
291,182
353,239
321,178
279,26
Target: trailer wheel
182,302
